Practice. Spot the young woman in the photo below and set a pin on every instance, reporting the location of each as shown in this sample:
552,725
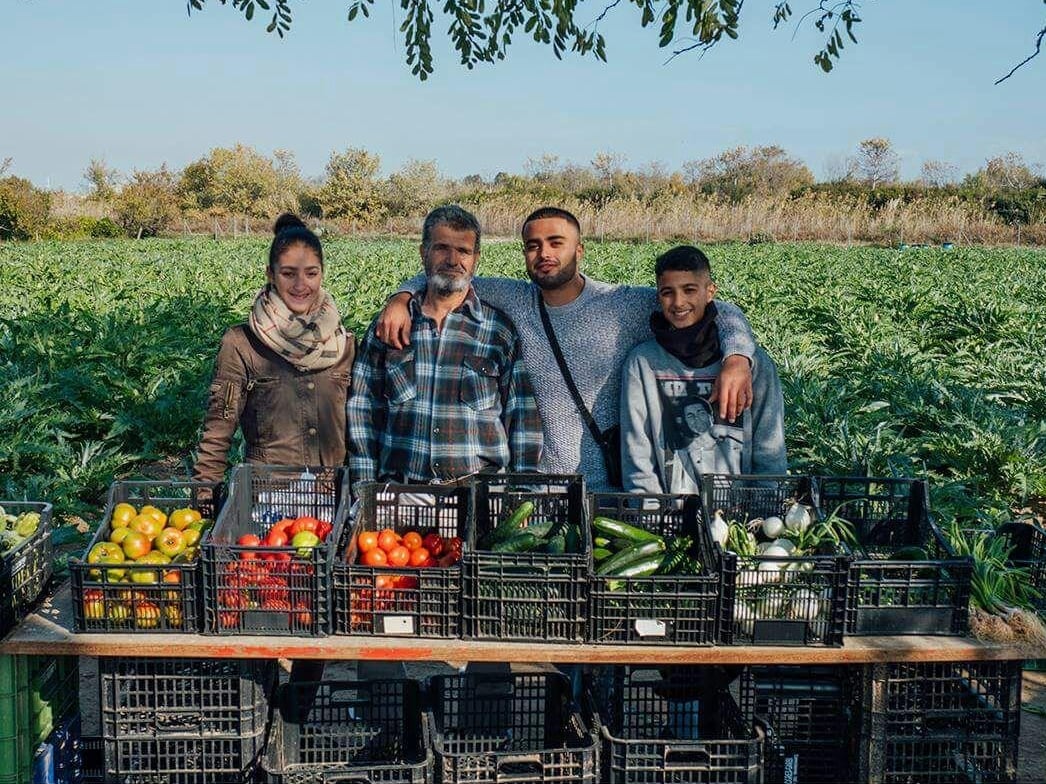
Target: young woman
282,377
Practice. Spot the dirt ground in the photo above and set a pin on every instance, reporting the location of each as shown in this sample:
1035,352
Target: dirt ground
1031,755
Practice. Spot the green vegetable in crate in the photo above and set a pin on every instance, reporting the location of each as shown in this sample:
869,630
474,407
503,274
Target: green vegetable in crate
615,529
510,526
909,554
640,551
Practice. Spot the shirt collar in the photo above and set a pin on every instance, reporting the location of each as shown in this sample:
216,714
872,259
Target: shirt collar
471,306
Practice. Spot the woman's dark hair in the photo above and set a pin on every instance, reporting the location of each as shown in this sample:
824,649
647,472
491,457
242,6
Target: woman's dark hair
290,230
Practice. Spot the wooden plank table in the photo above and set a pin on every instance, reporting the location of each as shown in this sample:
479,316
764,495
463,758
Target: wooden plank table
49,632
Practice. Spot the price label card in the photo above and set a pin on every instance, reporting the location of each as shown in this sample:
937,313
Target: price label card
649,627
398,624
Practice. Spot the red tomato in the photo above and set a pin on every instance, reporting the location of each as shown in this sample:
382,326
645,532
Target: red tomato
375,557
412,540
275,538
405,582
323,530
399,556
433,542
249,540
367,541
449,558
388,539
384,581
419,556
283,524
309,524
454,543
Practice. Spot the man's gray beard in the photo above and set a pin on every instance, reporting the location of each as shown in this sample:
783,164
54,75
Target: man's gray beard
445,285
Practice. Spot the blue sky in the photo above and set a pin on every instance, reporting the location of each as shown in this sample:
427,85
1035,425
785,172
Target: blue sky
139,83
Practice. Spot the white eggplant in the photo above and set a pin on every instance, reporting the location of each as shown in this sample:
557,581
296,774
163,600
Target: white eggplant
774,550
786,544
797,518
718,529
773,527
767,572
744,617
771,606
806,605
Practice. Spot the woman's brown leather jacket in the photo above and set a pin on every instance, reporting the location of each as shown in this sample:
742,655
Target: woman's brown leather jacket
288,417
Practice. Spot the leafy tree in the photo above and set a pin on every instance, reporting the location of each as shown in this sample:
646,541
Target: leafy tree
482,32
24,209
351,189
1005,172
744,171
102,181
147,204
241,181
938,174
415,188
877,163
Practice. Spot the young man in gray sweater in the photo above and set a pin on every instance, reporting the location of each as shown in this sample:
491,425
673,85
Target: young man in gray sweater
596,325
670,434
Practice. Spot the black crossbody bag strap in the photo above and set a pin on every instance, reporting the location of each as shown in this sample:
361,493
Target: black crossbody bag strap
585,414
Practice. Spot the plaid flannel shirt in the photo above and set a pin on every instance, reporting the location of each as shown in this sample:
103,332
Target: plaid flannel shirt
452,403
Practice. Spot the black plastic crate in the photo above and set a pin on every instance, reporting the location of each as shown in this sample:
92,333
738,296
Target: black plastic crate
1028,543
531,597
412,602
812,719
775,600
138,597
677,724
184,721
942,721
672,609
267,589
890,592
509,728
92,760
25,571
348,731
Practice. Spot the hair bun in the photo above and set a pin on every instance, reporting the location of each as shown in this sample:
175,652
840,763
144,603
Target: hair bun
288,221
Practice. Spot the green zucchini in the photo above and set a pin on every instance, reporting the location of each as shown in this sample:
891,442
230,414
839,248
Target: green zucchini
510,526
611,566
644,567
601,541
601,553
617,529
540,530
520,543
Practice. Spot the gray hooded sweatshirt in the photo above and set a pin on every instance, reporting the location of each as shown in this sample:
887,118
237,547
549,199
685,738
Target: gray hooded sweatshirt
671,436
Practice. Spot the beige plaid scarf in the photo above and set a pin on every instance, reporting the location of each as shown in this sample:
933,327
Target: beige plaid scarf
311,342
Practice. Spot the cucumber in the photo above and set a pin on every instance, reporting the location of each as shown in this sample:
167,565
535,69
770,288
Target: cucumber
540,530
617,529
612,566
520,543
600,554
510,526
573,539
556,545
601,541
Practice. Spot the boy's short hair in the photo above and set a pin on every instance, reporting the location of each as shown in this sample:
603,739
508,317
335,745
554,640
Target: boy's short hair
683,258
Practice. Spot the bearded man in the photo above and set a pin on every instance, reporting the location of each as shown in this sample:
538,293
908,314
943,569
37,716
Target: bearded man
457,399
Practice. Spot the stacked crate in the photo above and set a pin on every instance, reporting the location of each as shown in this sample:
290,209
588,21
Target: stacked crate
941,722
183,721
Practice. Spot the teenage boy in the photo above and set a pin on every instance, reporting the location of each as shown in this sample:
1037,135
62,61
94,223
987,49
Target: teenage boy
670,433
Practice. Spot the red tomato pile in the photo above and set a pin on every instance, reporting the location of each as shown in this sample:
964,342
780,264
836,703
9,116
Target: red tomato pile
397,593
388,548
266,579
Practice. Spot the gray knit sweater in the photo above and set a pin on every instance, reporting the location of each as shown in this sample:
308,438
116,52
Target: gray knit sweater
596,333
